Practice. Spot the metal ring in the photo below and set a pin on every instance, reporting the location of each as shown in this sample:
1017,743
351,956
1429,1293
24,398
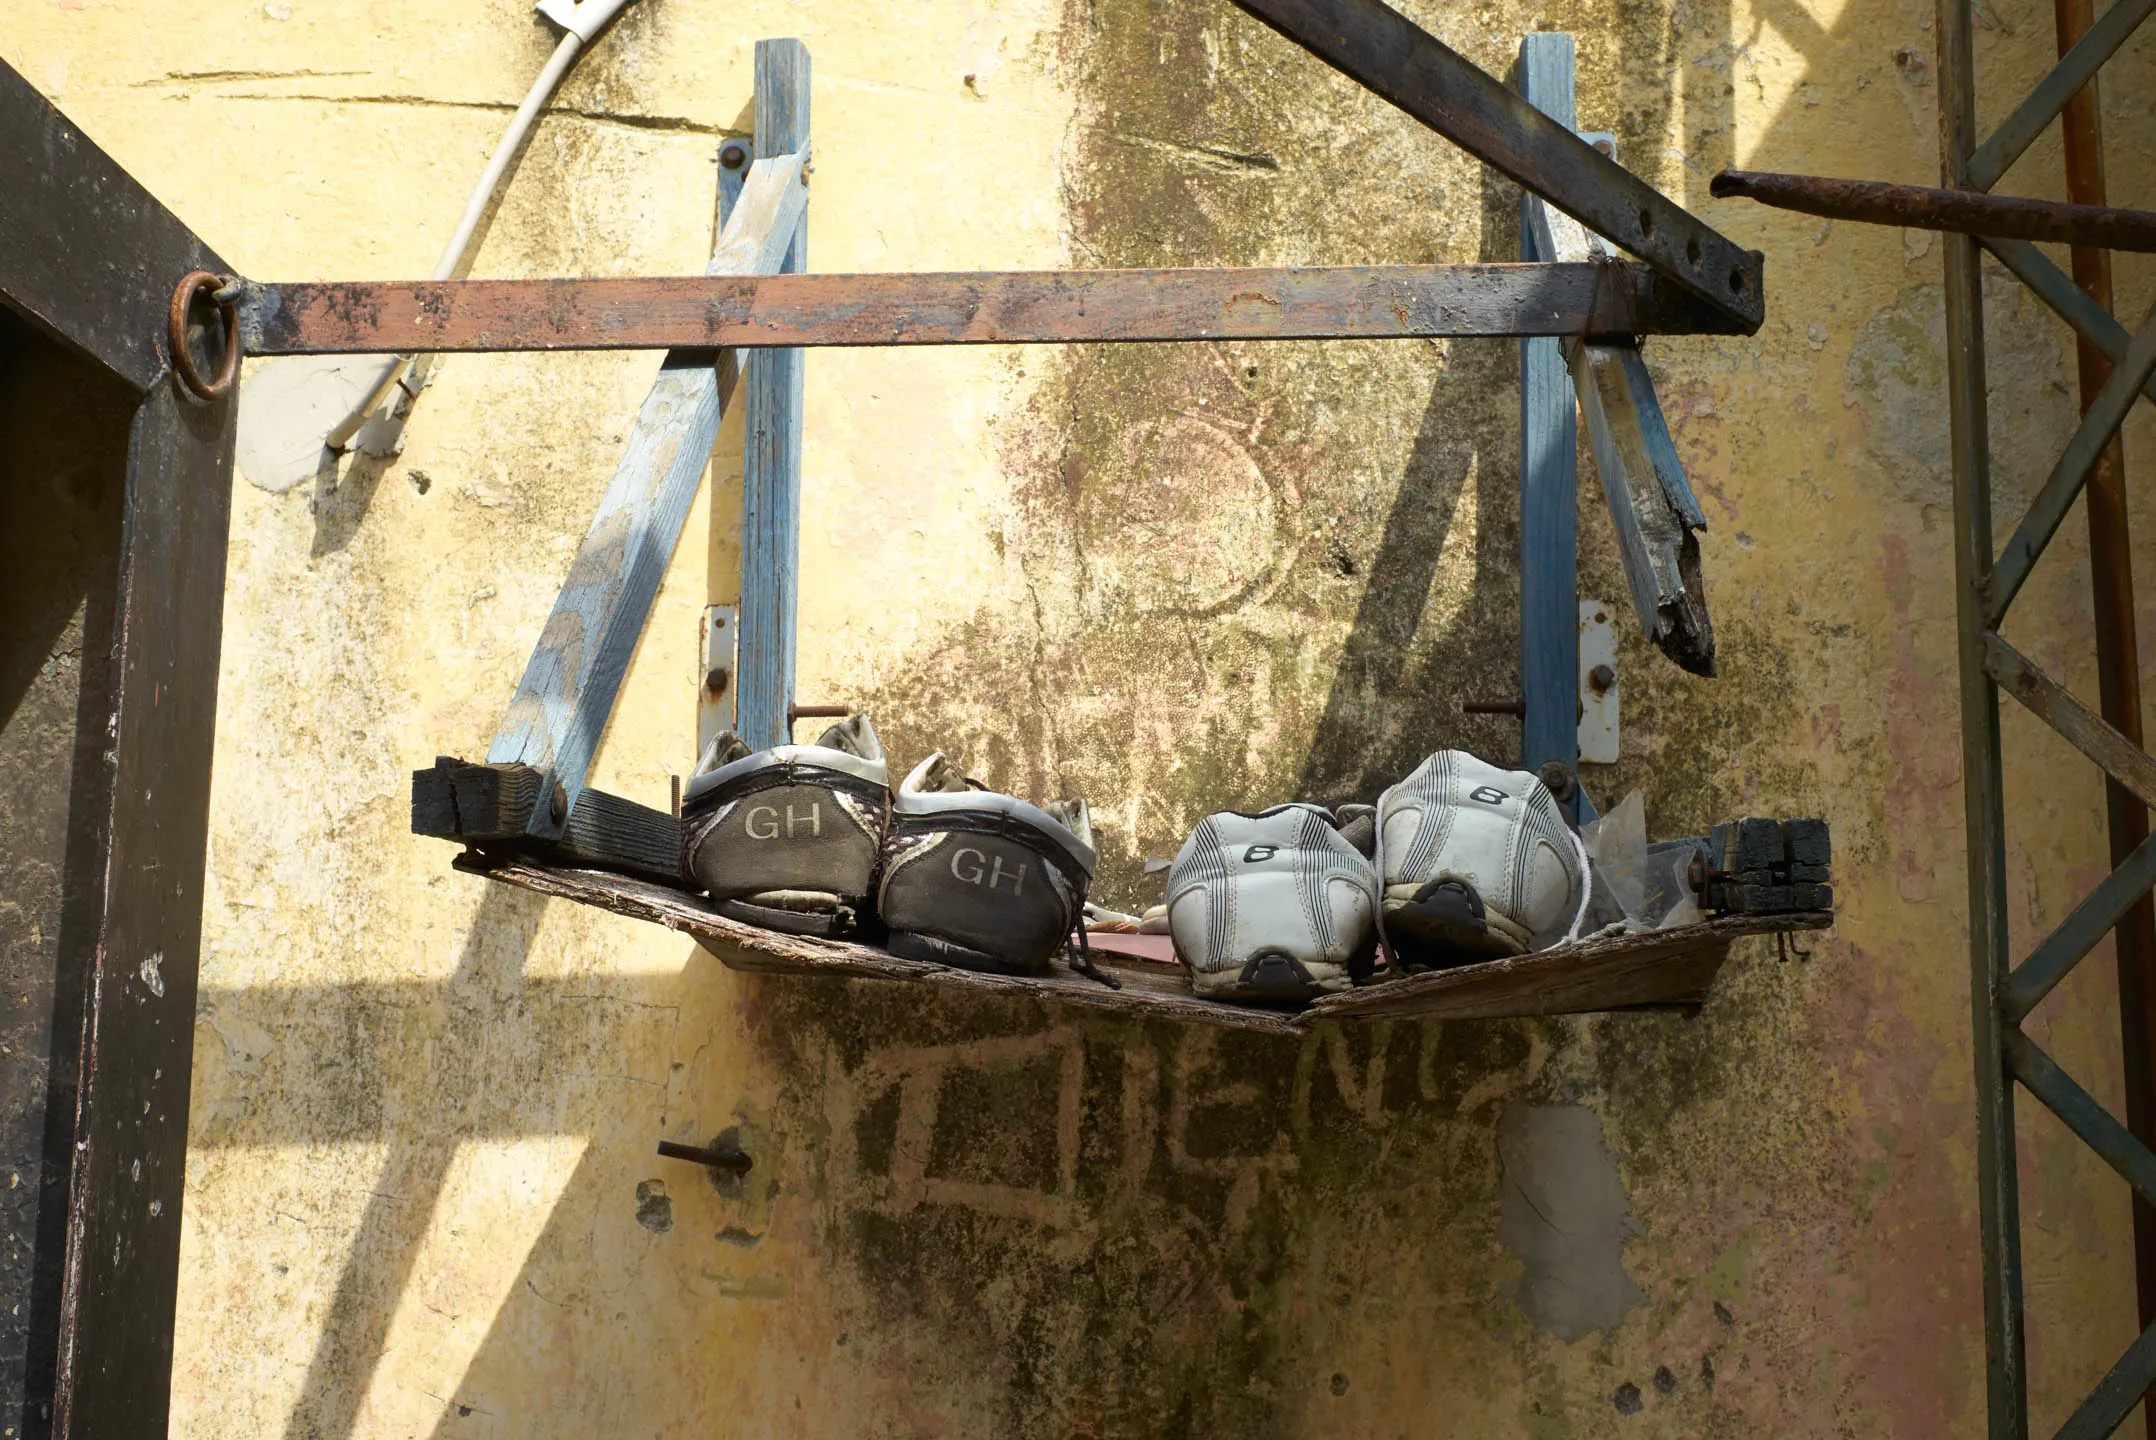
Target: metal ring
183,363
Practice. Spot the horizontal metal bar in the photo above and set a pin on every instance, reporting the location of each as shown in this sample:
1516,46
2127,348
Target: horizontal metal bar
981,308
2076,67
1380,49
2081,727
2091,321
1963,211
2098,424
2078,934
2079,1111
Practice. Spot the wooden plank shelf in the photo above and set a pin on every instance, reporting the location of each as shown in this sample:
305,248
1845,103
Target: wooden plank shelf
1660,969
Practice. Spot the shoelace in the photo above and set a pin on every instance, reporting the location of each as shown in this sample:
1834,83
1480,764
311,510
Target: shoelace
1081,957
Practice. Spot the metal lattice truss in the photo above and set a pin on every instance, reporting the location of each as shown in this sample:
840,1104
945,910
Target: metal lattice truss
1987,583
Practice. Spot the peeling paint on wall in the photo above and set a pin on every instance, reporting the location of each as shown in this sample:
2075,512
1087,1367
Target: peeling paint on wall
1565,1218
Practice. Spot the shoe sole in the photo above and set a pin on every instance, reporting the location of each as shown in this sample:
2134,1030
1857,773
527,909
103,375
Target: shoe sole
824,924
1272,976
1423,939
912,945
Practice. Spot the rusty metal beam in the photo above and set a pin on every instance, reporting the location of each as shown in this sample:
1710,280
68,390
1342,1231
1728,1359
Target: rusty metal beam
1965,212
2071,92
1380,49
980,308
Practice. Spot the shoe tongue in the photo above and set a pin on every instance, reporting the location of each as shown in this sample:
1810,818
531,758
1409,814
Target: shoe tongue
939,776
1357,825
1073,816
725,748
853,735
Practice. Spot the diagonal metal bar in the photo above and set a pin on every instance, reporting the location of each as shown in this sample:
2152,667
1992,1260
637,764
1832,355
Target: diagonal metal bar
2091,920
2081,1112
2091,321
1386,53
2072,472
2082,727
2116,1394
2017,131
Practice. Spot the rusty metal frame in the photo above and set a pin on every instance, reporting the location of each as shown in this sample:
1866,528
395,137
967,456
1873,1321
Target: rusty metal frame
1986,582
92,261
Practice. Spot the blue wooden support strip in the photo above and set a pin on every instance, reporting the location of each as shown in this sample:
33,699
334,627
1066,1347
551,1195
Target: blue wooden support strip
2079,1111
562,704
771,466
2090,922
2098,425
2075,69
1549,476
2091,321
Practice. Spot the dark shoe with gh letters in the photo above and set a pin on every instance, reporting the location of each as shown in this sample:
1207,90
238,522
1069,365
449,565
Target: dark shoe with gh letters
979,880
787,838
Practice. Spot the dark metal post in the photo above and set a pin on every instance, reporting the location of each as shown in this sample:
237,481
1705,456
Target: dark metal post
1998,1202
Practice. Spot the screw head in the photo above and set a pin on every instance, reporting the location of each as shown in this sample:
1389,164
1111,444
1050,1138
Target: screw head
733,157
558,803
1601,678
716,680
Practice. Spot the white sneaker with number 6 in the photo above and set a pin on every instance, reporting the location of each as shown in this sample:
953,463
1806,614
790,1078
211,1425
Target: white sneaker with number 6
1274,906
1477,863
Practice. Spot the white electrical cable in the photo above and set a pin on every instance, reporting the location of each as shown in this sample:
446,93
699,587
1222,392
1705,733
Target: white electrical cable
580,22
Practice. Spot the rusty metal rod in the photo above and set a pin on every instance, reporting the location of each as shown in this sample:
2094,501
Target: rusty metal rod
733,1162
969,308
2118,663
1920,207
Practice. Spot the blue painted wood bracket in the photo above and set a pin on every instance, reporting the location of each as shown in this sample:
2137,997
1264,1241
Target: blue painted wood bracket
771,466
1549,475
561,707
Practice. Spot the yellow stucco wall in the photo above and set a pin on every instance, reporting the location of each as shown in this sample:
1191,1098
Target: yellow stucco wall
422,1197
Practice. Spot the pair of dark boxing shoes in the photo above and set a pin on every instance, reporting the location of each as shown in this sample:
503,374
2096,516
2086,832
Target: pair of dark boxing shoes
811,840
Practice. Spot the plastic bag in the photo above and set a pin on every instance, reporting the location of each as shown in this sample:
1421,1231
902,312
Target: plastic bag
1617,842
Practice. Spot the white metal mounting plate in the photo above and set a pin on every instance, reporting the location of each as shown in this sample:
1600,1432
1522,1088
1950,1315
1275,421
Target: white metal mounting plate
1598,703
717,639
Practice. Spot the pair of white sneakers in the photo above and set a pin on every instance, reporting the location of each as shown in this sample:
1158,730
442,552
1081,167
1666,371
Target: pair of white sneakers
1459,862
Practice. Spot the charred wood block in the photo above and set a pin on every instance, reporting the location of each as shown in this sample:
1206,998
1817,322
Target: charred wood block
606,832
1803,874
494,804
1810,843
1812,897
460,801
1760,845
1762,899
